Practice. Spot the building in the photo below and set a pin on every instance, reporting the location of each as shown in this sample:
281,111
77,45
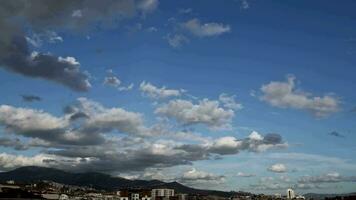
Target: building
162,194
290,194
123,194
145,195
182,196
135,196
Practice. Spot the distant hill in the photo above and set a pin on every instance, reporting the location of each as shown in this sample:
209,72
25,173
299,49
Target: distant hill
323,196
97,180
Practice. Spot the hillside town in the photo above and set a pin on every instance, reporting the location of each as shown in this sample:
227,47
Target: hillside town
57,191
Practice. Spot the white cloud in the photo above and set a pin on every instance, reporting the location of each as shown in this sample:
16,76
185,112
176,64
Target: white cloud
126,88
177,40
278,168
26,120
195,27
241,174
159,93
205,112
112,81
147,6
255,136
285,95
102,118
37,39
229,102
226,145
77,13
194,176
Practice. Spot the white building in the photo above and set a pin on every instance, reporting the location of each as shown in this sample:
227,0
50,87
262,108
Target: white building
135,196
162,193
290,194
145,197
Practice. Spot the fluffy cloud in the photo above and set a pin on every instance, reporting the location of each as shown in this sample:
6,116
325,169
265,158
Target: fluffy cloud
278,168
103,119
205,112
84,123
230,145
29,121
112,81
159,93
195,27
285,95
226,145
196,177
229,102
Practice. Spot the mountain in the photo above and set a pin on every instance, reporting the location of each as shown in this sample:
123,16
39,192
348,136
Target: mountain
97,180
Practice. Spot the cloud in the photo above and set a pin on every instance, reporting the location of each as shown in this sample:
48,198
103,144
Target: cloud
112,81
226,145
13,143
229,145
65,71
28,121
205,112
196,177
103,119
278,168
244,4
147,6
126,88
84,123
158,93
195,27
241,174
41,18
332,177
185,10
285,95
336,134
229,102
30,98
37,39
177,40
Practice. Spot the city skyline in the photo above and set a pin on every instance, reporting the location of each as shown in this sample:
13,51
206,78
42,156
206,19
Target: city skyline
247,95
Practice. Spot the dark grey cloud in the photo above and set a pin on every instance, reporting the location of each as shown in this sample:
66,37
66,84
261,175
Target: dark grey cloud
41,16
65,71
272,138
336,134
30,98
14,143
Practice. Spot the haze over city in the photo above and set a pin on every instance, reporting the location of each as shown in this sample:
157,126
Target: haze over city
243,95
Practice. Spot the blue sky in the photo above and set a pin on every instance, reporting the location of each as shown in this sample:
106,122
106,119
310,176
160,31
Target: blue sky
242,95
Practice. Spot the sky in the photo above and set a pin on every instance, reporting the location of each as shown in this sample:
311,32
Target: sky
242,95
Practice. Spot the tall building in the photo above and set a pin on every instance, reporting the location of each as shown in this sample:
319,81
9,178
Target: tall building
162,194
290,194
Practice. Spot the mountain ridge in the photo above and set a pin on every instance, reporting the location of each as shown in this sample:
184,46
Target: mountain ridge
97,180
